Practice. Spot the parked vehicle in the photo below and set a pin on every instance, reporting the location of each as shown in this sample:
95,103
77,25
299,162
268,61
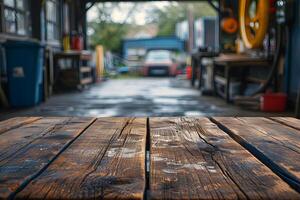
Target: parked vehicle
160,63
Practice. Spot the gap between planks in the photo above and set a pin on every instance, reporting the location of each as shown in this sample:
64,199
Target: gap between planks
286,121
147,160
282,173
214,148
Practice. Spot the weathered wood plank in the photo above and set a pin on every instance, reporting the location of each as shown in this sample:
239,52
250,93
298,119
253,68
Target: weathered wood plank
13,140
28,150
194,159
289,121
106,162
16,122
275,144
279,131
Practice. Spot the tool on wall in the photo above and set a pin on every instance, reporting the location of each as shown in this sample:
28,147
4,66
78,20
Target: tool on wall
254,21
257,19
229,24
254,24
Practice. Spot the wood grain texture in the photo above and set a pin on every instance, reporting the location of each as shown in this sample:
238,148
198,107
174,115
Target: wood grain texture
288,121
17,139
106,162
15,123
194,159
275,144
27,150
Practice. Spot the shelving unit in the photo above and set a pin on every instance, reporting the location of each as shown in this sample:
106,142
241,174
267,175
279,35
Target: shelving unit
72,69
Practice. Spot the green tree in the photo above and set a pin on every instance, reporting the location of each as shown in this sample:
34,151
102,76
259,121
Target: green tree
108,34
167,18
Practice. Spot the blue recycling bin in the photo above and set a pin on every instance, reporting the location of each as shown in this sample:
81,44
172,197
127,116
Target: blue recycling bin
25,72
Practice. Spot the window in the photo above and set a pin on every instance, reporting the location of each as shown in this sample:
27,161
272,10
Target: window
16,17
52,20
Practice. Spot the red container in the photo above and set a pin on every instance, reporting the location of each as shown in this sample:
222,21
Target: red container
273,102
77,43
189,72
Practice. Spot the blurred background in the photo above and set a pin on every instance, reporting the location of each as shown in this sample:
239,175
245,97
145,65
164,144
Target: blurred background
155,58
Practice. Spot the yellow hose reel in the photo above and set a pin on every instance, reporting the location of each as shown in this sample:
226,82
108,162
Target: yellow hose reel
254,21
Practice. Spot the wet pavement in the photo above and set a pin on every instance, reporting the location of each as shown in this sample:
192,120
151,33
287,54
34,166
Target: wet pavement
135,97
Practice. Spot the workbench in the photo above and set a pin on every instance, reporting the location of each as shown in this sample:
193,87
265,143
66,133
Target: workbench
150,158
73,69
197,66
231,62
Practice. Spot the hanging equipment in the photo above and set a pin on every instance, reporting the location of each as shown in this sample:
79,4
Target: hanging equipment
254,21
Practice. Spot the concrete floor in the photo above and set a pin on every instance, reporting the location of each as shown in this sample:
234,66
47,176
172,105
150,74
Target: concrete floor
135,97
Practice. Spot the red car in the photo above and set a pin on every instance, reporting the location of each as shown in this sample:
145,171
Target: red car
160,63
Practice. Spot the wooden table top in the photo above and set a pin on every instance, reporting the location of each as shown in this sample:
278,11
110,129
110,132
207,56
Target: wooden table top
240,59
150,158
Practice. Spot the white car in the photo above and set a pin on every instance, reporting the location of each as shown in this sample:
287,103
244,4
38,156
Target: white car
159,63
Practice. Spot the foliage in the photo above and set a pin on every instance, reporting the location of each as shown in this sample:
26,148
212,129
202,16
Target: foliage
167,18
108,34
103,30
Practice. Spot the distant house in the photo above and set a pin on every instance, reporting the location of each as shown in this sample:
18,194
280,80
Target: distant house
134,50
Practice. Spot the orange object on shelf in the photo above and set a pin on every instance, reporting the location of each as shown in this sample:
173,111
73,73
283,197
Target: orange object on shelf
229,25
77,42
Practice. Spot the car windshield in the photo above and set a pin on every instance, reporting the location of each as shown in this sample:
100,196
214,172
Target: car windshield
158,56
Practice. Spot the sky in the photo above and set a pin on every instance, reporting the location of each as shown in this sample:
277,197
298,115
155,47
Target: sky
138,16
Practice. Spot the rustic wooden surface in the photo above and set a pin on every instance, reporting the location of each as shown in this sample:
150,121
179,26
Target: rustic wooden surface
27,150
15,123
194,159
288,121
107,162
240,58
277,145
190,158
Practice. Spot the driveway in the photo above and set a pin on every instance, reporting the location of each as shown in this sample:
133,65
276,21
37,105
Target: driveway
135,97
